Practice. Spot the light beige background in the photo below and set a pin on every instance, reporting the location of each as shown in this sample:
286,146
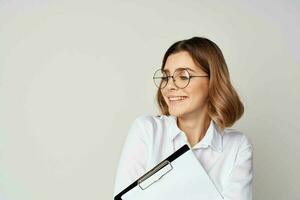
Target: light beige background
75,74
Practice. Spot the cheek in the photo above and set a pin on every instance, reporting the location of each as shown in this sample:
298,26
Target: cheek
199,92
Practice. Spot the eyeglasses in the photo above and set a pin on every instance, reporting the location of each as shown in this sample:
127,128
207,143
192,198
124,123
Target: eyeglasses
181,78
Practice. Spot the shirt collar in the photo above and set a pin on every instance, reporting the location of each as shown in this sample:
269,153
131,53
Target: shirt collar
213,137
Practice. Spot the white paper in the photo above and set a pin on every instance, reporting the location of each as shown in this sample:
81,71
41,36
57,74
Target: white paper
187,180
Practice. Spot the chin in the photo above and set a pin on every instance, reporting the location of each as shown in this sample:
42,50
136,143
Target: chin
177,113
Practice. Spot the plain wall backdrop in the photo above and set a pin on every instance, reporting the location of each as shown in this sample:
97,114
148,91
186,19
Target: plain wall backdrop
75,74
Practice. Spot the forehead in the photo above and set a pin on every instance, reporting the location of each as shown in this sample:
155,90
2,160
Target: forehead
180,60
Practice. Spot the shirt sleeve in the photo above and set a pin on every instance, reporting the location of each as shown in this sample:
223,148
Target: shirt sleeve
133,160
239,183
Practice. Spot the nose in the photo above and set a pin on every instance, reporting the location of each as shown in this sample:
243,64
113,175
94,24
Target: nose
171,85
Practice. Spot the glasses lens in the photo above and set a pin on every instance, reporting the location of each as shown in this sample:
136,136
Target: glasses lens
160,78
182,78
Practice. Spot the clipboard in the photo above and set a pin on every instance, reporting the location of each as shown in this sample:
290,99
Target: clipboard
179,176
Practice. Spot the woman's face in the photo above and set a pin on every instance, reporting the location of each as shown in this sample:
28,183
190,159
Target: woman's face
195,94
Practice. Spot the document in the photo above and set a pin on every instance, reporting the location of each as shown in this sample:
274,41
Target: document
180,176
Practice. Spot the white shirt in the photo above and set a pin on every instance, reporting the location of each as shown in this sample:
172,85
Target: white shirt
226,156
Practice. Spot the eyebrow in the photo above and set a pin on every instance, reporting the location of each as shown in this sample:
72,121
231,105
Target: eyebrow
181,68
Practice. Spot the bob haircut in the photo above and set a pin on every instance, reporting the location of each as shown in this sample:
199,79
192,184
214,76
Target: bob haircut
223,103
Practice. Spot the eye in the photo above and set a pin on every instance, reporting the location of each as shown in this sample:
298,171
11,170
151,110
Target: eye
184,77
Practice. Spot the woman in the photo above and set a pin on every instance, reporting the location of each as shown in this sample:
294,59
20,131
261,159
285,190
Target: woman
197,104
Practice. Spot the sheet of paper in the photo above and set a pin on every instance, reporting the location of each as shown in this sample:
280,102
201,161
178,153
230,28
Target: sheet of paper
187,180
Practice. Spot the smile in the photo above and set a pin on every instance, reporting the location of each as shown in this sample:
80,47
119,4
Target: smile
177,99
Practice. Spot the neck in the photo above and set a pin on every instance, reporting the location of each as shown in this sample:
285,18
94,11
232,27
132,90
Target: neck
194,127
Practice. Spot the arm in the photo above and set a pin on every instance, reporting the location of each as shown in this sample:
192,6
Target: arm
239,183
133,160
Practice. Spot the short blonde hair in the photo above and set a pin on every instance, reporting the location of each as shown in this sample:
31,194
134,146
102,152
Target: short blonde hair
224,105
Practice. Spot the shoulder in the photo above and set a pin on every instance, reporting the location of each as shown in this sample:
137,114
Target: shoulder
146,130
233,138
150,120
152,125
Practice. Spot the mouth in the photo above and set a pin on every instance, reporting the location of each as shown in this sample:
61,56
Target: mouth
177,99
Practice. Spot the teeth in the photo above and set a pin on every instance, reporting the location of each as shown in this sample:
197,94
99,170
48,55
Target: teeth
176,98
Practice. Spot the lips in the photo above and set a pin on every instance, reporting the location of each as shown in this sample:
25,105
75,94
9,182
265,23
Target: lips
176,99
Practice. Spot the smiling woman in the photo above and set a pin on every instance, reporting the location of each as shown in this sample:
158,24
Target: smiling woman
206,58
197,107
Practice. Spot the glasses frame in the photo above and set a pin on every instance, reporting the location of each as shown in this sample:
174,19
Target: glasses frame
185,68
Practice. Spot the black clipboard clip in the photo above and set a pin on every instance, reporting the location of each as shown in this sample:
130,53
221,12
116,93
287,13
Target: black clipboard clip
155,174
